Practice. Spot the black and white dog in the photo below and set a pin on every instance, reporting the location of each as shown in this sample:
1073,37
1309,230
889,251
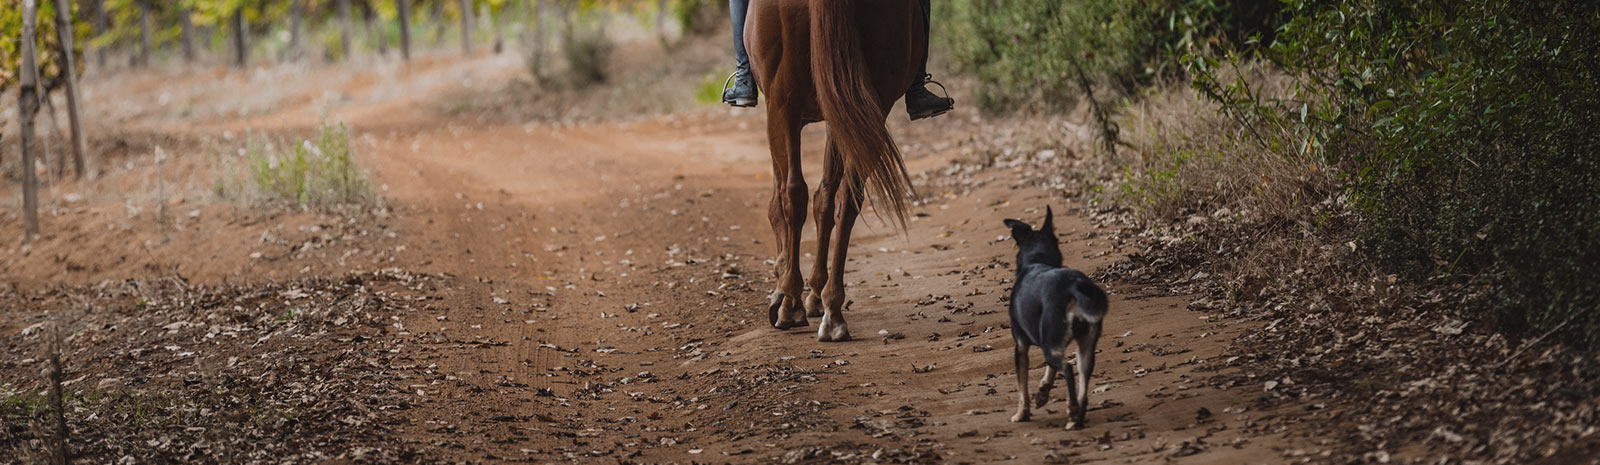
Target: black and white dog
1052,305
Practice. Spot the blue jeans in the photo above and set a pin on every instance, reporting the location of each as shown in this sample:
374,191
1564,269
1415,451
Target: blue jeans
738,8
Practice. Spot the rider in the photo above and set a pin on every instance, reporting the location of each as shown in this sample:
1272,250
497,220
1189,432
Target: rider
920,103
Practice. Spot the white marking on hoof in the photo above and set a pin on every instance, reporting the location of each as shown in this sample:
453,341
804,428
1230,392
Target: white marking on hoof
833,329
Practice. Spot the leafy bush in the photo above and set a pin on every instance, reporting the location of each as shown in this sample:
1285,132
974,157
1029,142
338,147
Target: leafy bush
1038,50
1483,118
1462,133
1032,50
315,173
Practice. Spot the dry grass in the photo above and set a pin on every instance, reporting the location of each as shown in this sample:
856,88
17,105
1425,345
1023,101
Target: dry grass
1191,159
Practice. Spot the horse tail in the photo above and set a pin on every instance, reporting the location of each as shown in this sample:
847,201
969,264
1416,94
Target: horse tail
851,107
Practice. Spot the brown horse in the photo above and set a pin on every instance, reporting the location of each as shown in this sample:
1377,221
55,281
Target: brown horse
844,62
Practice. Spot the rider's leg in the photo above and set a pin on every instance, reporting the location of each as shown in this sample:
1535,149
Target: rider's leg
919,102
927,31
742,91
737,10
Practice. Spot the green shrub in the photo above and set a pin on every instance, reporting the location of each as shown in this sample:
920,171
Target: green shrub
315,173
1465,132
1030,53
1030,50
1483,118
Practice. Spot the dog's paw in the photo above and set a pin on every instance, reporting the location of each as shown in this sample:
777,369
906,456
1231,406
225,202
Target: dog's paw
1020,417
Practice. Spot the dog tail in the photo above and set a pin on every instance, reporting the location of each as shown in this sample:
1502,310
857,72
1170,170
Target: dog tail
1092,302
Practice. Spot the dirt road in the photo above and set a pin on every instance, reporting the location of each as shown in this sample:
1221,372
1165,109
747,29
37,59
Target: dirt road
601,288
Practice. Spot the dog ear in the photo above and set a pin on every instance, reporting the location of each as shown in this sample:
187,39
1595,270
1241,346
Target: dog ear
1049,226
1018,228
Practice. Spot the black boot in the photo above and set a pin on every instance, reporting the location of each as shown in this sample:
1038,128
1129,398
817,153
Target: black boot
920,103
743,91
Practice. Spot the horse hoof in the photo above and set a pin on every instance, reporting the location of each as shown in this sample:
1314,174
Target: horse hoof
1041,398
774,310
784,314
813,305
797,313
1019,417
829,331
785,324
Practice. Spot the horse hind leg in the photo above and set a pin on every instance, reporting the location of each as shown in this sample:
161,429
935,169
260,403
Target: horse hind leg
822,210
847,209
776,216
788,216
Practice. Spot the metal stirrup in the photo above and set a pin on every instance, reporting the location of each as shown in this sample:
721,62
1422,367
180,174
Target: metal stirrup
729,80
928,79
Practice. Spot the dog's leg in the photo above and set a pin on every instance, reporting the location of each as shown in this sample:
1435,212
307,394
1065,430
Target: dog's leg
1045,384
1086,345
1021,357
1072,389
1055,361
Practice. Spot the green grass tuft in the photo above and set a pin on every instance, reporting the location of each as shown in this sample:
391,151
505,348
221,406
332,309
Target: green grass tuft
314,173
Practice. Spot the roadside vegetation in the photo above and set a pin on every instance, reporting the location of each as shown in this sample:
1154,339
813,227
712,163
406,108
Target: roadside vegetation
1458,136
1404,193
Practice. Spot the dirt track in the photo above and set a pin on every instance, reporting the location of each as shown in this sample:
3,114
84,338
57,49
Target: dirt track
603,285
